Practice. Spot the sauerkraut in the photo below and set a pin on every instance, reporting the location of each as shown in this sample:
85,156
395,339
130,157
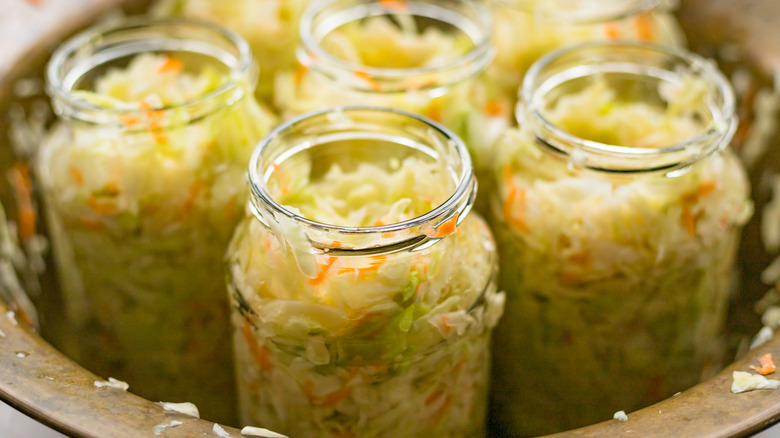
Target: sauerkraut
391,58
524,30
333,344
269,26
141,213
617,283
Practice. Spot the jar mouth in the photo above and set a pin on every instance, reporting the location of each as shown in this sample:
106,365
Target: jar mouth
360,122
582,12
101,45
639,61
324,16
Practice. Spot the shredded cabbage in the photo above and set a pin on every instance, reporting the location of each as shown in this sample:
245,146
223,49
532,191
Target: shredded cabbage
269,26
141,214
369,344
466,106
618,284
525,30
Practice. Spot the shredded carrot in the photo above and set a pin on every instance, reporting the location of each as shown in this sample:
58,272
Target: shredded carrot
495,108
434,113
20,180
155,122
612,30
580,257
170,65
111,189
445,323
644,27
76,175
90,224
336,244
446,228
300,73
767,365
416,84
397,5
366,76
689,220
704,189
260,353
335,397
129,120
99,207
515,196
282,179
195,190
330,400
435,395
324,267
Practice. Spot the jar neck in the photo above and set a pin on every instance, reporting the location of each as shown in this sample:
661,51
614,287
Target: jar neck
454,18
392,135
660,74
77,63
582,12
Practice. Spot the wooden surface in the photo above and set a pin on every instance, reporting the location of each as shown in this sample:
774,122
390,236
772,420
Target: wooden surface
39,381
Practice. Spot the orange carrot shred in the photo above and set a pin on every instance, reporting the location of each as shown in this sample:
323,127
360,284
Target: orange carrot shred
282,179
515,196
448,227
366,76
434,113
397,5
100,208
644,28
612,30
494,108
689,221
20,180
90,224
261,354
323,270
767,365
170,65
445,322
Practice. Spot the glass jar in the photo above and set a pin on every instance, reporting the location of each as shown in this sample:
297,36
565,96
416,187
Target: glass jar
362,287
524,30
269,26
422,56
618,210
143,177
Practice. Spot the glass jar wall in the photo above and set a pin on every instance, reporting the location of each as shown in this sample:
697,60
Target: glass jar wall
618,208
362,286
143,177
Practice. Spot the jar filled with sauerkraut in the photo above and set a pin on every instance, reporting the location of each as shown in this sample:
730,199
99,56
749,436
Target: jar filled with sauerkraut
423,56
362,287
269,26
618,208
524,30
143,177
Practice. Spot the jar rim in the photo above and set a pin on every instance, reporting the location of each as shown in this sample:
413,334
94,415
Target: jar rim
313,55
464,187
718,134
60,86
